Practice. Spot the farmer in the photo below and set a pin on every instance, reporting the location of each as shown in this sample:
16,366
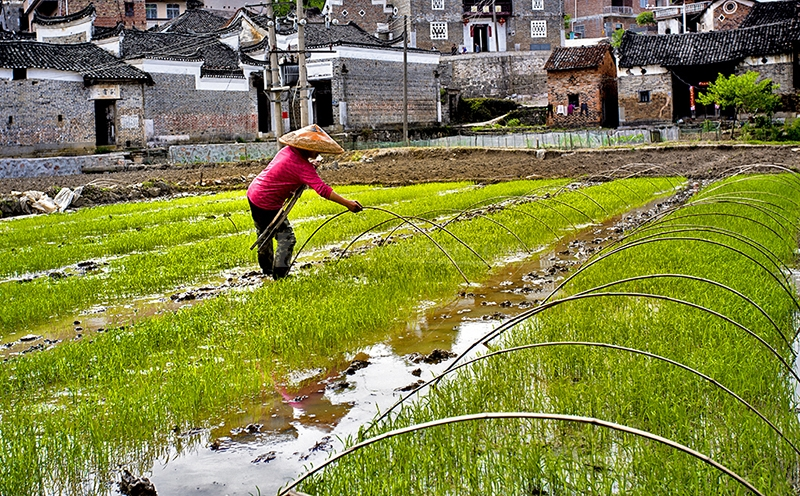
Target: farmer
293,167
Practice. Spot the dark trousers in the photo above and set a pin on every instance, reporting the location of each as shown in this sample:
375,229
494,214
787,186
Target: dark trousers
273,262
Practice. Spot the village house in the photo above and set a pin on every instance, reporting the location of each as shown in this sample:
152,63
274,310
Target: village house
659,77
717,15
60,96
600,18
582,87
356,78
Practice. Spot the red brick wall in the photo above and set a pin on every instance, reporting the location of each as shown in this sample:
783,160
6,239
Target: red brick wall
731,21
110,12
588,84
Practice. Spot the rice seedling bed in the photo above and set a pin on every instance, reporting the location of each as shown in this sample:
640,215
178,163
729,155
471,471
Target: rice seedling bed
642,338
166,375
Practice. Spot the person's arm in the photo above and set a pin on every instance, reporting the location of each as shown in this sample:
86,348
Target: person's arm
351,205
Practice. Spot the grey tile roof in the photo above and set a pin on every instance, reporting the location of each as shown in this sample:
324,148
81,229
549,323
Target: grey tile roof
713,47
770,13
581,57
49,21
100,32
88,60
195,21
318,35
217,57
11,35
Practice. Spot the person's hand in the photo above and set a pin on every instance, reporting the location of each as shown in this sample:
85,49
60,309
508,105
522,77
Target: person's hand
354,207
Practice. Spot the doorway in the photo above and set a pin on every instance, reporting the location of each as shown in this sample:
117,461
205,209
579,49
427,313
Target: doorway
262,105
323,102
105,112
480,38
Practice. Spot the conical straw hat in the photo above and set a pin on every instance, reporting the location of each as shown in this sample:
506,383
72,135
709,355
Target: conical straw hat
311,138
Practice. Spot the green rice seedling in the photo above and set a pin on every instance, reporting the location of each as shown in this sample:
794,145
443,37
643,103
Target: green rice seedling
180,370
624,388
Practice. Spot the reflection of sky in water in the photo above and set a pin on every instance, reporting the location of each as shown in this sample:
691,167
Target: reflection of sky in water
292,431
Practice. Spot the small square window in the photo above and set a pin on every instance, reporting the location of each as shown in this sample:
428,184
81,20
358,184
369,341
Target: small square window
474,8
128,9
18,74
644,96
538,5
362,12
485,8
538,29
437,4
438,30
173,10
344,13
573,99
151,11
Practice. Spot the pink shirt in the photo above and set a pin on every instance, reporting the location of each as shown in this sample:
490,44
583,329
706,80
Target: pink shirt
287,171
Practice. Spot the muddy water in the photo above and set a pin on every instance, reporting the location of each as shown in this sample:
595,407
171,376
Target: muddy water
266,443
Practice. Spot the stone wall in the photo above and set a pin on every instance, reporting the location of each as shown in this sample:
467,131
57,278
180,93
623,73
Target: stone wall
220,153
779,69
518,75
40,115
174,108
373,93
56,166
130,116
657,110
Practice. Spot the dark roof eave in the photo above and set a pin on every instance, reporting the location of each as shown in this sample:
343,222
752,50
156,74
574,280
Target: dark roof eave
89,80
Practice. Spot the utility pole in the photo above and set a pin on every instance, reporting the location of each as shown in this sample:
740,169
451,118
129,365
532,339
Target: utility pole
405,79
274,72
302,82
494,23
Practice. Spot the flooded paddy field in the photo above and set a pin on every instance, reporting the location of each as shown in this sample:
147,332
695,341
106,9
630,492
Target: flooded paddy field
176,362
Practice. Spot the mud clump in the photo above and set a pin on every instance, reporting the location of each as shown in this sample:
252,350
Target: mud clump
356,365
131,485
434,357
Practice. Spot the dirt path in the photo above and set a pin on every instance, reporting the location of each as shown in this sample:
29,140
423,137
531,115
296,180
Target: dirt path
415,165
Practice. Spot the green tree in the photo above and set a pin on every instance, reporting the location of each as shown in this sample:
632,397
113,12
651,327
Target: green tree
645,19
745,93
616,38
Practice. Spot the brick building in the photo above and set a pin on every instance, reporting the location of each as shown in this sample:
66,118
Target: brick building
204,89
56,97
471,25
582,86
356,78
659,77
600,18
716,15
131,13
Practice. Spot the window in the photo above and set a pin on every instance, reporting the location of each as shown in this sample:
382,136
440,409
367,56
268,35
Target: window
437,4
579,30
344,13
128,9
173,10
362,12
151,11
538,5
538,29
438,30
618,26
644,96
572,99
643,4
18,74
